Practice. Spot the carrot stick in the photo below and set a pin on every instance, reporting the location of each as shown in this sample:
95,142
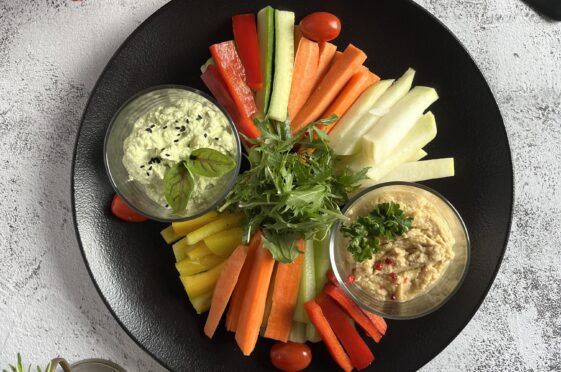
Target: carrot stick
335,79
324,329
297,36
285,295
361,80
253,307
224,288
336,57
303,75
236,301
326,54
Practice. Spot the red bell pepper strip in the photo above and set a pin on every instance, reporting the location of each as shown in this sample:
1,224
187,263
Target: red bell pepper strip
322,325
245,35
230,66
356,348
353,310
378,321
214,82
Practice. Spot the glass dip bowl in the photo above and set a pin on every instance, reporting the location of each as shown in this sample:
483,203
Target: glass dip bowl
436,294
133,192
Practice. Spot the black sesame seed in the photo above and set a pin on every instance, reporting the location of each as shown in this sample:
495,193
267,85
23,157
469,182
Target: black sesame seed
178,128
187,121
206,135
149,130
165,126
166,206
176,140
177,121
142,166
182,129
167,155
216,138
152,126
199,117
148,174
178,134
150,168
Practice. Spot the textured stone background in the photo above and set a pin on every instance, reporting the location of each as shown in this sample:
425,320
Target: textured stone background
51,53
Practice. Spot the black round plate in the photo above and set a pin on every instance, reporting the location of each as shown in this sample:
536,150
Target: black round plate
133,268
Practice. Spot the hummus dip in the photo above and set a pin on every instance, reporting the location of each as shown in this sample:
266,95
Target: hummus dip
408,266
167,135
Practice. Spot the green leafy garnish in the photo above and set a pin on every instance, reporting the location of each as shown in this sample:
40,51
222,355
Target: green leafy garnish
210,163
292,190
179,180
178,186
386,220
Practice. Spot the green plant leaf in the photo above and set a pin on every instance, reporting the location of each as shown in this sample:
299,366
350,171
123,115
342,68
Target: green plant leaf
385,220
283,247
208,162
178,186
292,189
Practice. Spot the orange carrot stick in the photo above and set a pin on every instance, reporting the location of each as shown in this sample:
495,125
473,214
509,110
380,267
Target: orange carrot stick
236,301
285,295
297,36
328,336
335,79
224,288
361,80
326,54
303,75
253,307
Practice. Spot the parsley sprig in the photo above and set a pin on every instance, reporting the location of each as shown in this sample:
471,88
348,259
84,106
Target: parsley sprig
386,220
292,190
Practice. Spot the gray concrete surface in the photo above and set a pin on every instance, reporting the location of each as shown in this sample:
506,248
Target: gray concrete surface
51,53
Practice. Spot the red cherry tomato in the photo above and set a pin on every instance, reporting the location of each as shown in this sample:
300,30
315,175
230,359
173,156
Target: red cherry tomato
291,356
320,26
124,212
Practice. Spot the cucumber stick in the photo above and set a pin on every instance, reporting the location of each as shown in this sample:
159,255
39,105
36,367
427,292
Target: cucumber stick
307,289
418,155
266,37
284,64
297,332
343,135
419,136
385,136
351,143
421,170
312,334
322,264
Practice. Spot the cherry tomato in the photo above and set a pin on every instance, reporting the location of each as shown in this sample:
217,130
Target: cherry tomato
320,26
124,212
291,356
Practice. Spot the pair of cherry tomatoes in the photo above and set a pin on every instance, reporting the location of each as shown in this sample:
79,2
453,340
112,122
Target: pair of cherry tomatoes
320,26
291,356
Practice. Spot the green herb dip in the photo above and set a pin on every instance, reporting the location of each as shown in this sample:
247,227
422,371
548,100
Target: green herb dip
167,135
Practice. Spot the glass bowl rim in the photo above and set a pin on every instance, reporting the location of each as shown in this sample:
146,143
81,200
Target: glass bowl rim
342,283
191,90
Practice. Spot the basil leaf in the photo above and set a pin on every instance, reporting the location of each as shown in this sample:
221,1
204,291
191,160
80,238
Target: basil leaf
178,186
210,163
283,247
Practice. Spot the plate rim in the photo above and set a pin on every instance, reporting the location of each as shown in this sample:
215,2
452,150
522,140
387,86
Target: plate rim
434,18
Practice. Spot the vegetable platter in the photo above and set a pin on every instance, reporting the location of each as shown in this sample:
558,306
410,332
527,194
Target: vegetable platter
132,266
